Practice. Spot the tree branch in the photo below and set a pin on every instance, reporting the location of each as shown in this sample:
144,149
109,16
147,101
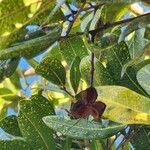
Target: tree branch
92,70
104,27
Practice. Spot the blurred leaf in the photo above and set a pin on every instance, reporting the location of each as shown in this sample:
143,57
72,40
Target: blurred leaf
101,75
23,12
114,13
143,77
142,64
124,106
115,1
10,125
146,1
37,134
5,91
142,139
15,79
67,144
31,47
75,74
15,143
3,112
147,33
8,67
136,24
52,69
97,145
81,128
73,47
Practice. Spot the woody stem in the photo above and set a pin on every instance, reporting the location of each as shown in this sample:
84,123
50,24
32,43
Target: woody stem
92,70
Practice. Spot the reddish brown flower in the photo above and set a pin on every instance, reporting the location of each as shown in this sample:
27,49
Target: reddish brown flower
86,105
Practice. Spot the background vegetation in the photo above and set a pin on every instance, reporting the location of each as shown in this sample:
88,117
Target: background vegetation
52,51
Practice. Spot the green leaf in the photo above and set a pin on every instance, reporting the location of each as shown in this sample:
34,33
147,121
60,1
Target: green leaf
23,12
101,44
52,70
80,128
10,125
116,1
147,33
14,144
136,24
73,47
116,57
114,13
31,47
142,139
55,53
142,64
124,105
86,20
143,77
97,145
75,74
137,46
136,43
101,74
8,67
66,145
37,134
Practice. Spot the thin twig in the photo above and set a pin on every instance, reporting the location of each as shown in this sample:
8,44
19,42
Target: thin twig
92,69
104,27
74,19
88,8
93,7
65,90
127,140
117,136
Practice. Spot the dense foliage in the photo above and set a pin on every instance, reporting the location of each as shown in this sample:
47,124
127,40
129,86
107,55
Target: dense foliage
90,63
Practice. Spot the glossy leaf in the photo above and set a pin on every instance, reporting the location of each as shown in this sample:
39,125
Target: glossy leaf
31,47
80,128
10,125
101,74
15,143
37,134
143,77
52,69
73,47
124,105
75,74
